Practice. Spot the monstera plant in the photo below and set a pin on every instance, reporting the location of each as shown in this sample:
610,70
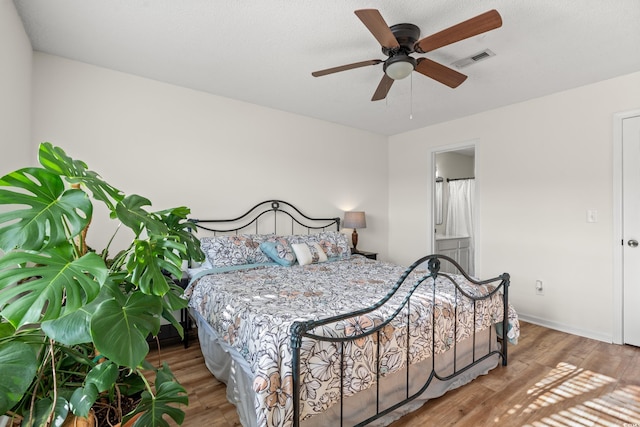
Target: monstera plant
74,322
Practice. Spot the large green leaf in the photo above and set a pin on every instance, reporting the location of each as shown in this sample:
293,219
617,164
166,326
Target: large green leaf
103,375
57,161
148,260
49,214
131,384
164,375
70,329
83,399
131,213
34,294
183,229
75,327
18,365
120,331
172,302
60,411
168,394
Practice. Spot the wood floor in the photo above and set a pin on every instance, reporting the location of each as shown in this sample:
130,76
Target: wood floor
553,380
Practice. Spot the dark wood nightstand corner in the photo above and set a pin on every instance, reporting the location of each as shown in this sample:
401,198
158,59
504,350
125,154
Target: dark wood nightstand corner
370,255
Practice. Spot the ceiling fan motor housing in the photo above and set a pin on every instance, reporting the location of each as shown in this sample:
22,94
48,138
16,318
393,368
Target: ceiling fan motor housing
407,35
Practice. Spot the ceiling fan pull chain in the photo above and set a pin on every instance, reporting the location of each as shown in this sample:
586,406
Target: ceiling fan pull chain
411,100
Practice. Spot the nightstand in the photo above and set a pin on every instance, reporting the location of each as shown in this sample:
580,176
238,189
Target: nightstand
370,255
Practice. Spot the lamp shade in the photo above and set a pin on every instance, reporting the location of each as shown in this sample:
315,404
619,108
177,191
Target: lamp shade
354,219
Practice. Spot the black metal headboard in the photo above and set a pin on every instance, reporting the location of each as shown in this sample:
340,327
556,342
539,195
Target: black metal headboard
257,220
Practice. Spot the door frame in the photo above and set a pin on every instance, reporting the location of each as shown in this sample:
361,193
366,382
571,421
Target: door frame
431,182
618,237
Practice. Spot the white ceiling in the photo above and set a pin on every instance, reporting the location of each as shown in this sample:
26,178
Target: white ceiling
263,51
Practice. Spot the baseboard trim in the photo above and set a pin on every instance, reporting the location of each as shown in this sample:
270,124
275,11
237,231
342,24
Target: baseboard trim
565,328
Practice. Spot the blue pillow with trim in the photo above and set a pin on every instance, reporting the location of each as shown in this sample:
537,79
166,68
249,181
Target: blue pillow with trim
279,251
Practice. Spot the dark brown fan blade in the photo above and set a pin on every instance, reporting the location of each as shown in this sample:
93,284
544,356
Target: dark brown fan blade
439,72
383,88
372,19
472,27
346,67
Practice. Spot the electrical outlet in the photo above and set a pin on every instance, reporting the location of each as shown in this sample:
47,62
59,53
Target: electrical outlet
539,287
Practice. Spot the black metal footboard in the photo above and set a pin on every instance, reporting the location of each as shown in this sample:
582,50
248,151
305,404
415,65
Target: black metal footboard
415,277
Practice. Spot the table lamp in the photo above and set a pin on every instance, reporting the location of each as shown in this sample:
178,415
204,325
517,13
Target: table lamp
355,220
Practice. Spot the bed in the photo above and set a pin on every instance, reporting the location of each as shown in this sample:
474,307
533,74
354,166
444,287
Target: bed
306,334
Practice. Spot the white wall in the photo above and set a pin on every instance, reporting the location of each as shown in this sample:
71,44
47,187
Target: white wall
541,165
218,156
15,91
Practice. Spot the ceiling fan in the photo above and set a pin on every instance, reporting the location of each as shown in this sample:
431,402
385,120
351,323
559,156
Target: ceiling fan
399,41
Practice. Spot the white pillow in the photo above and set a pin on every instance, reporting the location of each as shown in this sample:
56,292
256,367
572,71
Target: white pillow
307,253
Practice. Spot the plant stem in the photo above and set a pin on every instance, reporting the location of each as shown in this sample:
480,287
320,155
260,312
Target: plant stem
146,383
40,374
55,385
105,251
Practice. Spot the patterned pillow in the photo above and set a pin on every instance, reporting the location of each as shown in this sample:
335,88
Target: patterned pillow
301,238
224,251
334,244
279,251
253,253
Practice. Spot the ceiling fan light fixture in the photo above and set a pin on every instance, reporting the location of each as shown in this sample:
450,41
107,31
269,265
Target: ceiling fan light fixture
399,67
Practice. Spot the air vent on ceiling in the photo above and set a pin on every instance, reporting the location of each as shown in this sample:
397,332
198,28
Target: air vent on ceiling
477,57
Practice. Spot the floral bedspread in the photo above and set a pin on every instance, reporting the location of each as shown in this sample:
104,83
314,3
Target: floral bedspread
253,309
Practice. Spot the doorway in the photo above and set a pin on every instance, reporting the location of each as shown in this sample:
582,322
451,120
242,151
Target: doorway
627,228
454,217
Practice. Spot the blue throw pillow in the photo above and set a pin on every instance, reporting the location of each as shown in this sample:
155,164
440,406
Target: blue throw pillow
279,251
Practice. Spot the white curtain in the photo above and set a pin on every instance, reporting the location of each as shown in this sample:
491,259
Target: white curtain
460,214
439,202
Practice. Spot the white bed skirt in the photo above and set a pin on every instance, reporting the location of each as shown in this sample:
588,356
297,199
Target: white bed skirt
227,365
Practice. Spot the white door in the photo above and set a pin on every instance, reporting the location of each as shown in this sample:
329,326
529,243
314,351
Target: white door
631,228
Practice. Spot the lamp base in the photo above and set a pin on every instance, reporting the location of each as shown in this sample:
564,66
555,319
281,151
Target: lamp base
354,239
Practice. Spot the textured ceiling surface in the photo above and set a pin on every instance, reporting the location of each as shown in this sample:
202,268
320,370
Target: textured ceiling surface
263,51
